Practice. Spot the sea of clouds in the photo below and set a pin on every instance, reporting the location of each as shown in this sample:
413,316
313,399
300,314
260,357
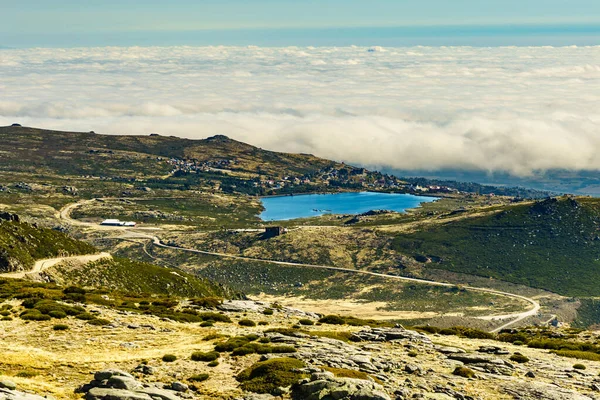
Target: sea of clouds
513,109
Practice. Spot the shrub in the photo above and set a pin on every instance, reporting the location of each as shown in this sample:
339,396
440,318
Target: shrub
214,336
74,289
232,344
268,311
6,319
198,378
207,324
5,313
213,363
263,323
579,366
60,327
264,340
215,317
343,336
448,331
208,302
35,316
332,320
57,314
247,322
520,358
464,372
267,376
27,374
347,373
582,355
169,358
412,353
85,316
201,356
99,322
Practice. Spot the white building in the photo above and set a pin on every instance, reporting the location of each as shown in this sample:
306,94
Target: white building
116,222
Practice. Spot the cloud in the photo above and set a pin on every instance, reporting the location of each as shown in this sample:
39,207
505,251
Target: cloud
512,109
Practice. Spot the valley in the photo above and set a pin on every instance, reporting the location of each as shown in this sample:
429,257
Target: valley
201,271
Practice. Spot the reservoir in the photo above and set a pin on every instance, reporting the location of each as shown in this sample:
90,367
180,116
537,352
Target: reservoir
281,208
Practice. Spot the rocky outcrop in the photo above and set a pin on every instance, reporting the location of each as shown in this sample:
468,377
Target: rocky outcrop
8,391
324,385
389,335
119,385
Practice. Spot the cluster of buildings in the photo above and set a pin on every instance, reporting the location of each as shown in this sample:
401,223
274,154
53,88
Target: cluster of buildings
192,166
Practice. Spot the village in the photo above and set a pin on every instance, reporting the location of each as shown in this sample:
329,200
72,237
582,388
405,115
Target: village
335,177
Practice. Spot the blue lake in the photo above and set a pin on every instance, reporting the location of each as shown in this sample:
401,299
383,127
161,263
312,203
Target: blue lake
312,205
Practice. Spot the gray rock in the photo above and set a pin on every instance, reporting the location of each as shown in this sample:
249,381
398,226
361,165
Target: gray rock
179,387
338,389
115,394
6,384
7,394
123,382
109,373
413,369
161,394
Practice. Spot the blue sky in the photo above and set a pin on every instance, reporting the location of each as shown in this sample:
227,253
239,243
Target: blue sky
64,22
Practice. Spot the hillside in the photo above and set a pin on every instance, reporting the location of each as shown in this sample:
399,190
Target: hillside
21,244
77,153
125,275
552,244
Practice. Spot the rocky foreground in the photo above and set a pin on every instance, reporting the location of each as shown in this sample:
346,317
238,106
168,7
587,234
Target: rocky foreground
333,362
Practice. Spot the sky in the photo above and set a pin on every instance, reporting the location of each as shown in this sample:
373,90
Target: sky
513,109
71,23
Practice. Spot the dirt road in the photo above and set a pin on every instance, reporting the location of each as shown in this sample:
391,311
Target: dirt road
65,214
41,265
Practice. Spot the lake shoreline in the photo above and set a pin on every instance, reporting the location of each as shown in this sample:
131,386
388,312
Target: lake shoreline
310,205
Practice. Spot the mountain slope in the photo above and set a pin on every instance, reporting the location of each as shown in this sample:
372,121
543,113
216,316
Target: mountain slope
21,244
552,244
77,153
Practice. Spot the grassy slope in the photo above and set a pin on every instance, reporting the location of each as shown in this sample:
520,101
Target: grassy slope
553,244
67,153
21,244
125,275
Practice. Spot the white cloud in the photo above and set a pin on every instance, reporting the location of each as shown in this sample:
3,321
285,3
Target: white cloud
498,109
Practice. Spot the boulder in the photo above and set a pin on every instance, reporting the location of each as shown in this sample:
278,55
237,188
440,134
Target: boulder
115,394
7,394
321,386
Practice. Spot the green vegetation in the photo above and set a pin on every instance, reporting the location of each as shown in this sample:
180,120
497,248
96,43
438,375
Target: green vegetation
588,313
347,373
582,355
244,345
206,357
464,372
138,277
552,244
246,322
352,321
198,378
579,366
21,244
519,358
266,376
60,327
169,358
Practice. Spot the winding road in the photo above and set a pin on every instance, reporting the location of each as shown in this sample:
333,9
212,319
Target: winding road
134,233
41,265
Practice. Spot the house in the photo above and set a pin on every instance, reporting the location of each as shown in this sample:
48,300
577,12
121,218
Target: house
272,231
116,222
